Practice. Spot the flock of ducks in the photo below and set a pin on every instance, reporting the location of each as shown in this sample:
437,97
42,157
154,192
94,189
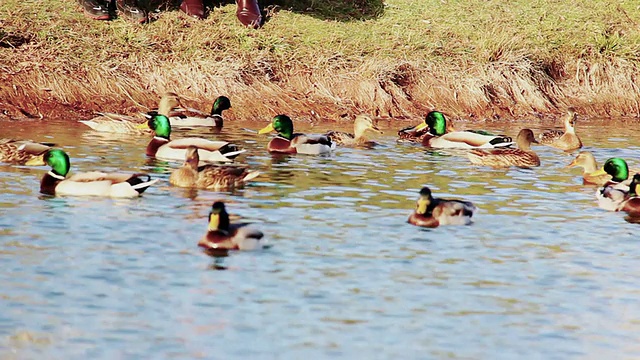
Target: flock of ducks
206,163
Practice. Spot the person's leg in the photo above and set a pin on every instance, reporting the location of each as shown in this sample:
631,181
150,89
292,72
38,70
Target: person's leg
96,9
194,8
248,13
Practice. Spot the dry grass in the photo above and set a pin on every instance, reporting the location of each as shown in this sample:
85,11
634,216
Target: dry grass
328,60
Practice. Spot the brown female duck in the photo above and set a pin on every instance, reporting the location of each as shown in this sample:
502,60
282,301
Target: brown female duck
523,156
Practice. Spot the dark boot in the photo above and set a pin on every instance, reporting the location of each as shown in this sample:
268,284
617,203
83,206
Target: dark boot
130,10
95,9
248,13
193,8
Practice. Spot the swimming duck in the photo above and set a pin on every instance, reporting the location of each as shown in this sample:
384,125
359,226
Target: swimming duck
631,204
361,124
222,235
523,156
123,124
587,161
162,147
433,212
288,142
209,177
192,117
116,185
22,152
616,190
438,137
564,140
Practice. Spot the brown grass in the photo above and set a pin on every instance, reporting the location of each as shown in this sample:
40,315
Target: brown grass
401,64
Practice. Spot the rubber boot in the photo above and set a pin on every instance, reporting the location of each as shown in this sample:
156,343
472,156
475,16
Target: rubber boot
193,8
248,13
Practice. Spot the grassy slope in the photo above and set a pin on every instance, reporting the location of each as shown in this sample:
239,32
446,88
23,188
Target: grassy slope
470,58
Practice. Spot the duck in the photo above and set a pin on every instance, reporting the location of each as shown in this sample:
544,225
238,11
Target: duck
522,157
22,152
432,212
222,235
288,142
162,147
193,118
587,161
615,191
361,125
631,204
437,136
566,140
123,124
209,177
95,183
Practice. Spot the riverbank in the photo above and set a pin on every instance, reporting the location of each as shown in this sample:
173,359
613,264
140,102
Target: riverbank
487,60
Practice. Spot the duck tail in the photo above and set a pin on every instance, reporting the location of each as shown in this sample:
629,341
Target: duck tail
251,175
139,184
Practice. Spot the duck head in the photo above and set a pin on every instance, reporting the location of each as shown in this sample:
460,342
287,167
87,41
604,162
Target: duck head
168,101
525,138
218,217
161,125
424,201
436,122
282,124
220,104
363,123
59,161
616,167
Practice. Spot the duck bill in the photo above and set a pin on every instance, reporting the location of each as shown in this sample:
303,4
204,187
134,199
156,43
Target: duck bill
375,129
36,161
266,129
421,126
214,222
599,172
573,163
142,126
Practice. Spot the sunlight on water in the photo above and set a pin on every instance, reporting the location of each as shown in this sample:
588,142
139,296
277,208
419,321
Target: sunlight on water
542,273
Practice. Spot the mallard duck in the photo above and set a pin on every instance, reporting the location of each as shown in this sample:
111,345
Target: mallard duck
433,212
523,156
222,235
55,182
587,161
123,124
616,190
289,142
564,140
192,117
209,177
631,204
162,147
22,152
438,137
361,124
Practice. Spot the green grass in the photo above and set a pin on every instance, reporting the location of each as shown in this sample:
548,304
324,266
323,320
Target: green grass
470,58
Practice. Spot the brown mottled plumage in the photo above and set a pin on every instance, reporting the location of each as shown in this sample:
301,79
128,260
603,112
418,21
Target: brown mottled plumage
209,177
563,140
22,152
433,212
523,156
361,124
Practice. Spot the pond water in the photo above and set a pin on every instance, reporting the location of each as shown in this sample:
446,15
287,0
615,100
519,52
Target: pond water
542,273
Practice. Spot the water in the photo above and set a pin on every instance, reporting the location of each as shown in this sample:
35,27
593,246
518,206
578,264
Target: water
541,274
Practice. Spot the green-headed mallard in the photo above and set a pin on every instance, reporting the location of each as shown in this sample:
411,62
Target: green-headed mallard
288,142
438,137
361,125
123,124
616,190
564,140
433,212
162,147
192,118
55,182
22,152
209,177
523,156
587,161
222,235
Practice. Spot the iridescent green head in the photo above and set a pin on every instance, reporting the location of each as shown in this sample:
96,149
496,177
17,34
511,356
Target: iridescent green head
218,217
161,125
282,124
222,103
58,160
437,123
617,168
